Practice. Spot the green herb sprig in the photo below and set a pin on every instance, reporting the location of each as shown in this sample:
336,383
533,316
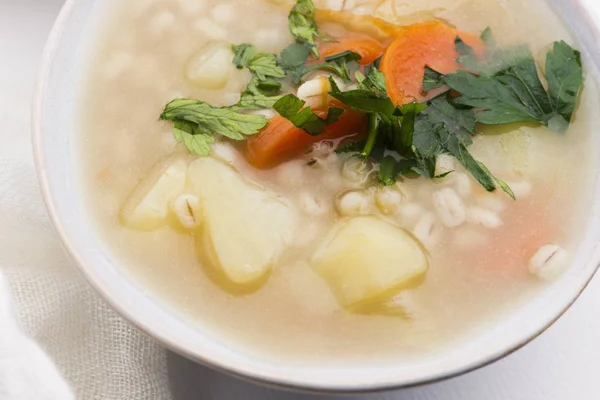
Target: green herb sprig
502,87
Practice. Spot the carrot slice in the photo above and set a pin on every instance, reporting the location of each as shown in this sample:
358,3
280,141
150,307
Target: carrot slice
419,45
369,48
281,141
374,27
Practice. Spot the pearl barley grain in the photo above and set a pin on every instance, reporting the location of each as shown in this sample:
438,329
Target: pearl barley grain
117,64
548,262
187,209
162,21
449,207
223,13
210,29
210,67
484,217
269,39
444,166
191,6
353,202
388,199
310,205
426,230
409,212
463,185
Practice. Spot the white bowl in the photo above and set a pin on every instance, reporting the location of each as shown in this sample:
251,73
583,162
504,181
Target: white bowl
55,146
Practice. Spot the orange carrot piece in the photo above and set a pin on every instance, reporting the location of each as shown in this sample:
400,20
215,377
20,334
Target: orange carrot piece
281,141
374,27
419,45
369,49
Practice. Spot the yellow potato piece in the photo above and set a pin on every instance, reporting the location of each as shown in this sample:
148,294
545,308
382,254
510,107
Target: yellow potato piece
245,227
367,261
211,67
148,206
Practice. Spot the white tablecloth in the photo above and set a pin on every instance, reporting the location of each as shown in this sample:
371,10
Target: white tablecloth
103,357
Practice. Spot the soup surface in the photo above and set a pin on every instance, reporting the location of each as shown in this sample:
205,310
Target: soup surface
471,255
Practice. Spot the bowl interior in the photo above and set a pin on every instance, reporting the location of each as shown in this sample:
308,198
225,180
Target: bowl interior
55,146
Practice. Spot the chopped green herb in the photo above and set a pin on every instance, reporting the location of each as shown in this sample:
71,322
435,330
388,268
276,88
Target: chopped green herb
243,54
264,65
350,147
565,79
445,174
466,55
294,56
458,121
197,118
390,168
498,103
374,80
363,100
432,80
344,56
388,171
455,147
197,141
374,122
259,95
303,26
343,65
516,93
504,186
488,38
291,108
501,87
404,141
269,86
263,89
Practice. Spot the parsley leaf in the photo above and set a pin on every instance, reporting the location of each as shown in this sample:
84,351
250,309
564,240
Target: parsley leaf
257,97
508,87
263,89
197,141
363,100
565,79
443,128
243,54
373,81
303,26
390,168
403,141
263,65
523,79
425,140
343,64
459,122
467,56
432,80
291,108
350,147
499,104
224,121
454,146
294,56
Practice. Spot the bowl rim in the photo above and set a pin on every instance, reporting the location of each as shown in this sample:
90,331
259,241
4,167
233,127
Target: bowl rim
212,361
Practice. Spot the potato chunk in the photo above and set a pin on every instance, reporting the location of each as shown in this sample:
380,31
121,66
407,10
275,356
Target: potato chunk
245,227
367,261
148,206
211,67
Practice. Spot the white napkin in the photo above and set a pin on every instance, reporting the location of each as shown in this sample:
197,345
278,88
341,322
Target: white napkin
25,370
100,355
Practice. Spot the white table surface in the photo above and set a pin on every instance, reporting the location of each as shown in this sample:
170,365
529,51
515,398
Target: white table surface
563,364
